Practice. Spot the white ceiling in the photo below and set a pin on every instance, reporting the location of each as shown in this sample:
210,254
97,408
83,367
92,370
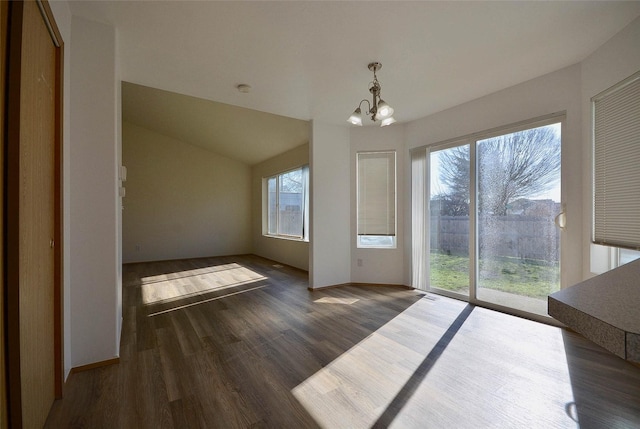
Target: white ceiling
308,59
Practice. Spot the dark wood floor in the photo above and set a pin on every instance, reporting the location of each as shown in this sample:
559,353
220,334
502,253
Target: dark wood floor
240,342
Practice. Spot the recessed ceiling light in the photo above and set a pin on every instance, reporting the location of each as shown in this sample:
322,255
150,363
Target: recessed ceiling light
243,87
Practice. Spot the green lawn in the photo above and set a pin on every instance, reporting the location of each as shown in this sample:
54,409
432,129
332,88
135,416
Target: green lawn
517,276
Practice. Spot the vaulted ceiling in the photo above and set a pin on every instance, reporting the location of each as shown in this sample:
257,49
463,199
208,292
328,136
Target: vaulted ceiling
246,135
308,59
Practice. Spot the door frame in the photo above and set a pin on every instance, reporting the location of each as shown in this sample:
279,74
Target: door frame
11,195
4,24
471,139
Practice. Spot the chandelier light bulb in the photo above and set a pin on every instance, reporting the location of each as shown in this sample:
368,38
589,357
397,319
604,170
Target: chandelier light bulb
384,110
387,121
356,117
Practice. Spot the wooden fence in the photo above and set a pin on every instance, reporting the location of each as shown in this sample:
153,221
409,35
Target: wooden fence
524,237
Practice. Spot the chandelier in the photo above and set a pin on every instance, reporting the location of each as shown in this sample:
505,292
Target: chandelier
378,109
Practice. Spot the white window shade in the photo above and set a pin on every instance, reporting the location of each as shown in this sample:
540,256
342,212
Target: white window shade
376,193
616,192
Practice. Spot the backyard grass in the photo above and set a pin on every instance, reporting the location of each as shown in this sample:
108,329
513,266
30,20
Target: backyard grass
517,276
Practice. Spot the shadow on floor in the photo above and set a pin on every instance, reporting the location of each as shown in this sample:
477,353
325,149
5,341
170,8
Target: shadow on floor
605,387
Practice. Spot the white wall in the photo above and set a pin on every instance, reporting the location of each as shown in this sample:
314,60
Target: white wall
554,92
62,16
614,61
330,174
382,266
93,200
290,252
182,201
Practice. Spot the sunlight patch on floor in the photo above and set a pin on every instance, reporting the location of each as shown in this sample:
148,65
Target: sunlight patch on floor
203,301
172,286
175,275
356,389
524,367
336,300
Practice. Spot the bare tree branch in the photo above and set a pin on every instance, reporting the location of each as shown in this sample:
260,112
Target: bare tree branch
512,166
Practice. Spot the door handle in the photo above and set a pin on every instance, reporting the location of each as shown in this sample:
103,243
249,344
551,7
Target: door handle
561,219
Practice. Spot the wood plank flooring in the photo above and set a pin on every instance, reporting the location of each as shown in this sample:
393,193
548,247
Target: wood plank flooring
239,342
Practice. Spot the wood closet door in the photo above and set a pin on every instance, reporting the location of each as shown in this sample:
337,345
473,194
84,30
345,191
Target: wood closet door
4,36
32,189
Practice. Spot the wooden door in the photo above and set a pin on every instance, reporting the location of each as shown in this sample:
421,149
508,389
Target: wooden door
33,298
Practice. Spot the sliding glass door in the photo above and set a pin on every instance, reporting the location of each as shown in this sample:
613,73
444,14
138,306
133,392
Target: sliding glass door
494,218
449,221
518,196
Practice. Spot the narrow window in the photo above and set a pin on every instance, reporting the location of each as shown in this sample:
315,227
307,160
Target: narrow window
376,199
287,204
625,256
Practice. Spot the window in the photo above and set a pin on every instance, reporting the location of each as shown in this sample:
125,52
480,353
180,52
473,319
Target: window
376,199
625,256
288,203
616,157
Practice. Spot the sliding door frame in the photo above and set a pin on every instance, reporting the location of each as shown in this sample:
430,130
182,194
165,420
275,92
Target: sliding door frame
471,140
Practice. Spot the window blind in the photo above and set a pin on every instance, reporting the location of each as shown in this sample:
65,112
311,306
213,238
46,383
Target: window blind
376,193
616,167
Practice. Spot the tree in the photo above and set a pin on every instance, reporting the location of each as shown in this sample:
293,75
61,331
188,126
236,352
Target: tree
450,205
291,181
454,174
511,166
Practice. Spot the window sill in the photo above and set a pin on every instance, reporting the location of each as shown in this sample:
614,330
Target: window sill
376,242
284,237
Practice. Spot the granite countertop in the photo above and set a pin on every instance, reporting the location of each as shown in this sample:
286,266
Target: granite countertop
612,297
